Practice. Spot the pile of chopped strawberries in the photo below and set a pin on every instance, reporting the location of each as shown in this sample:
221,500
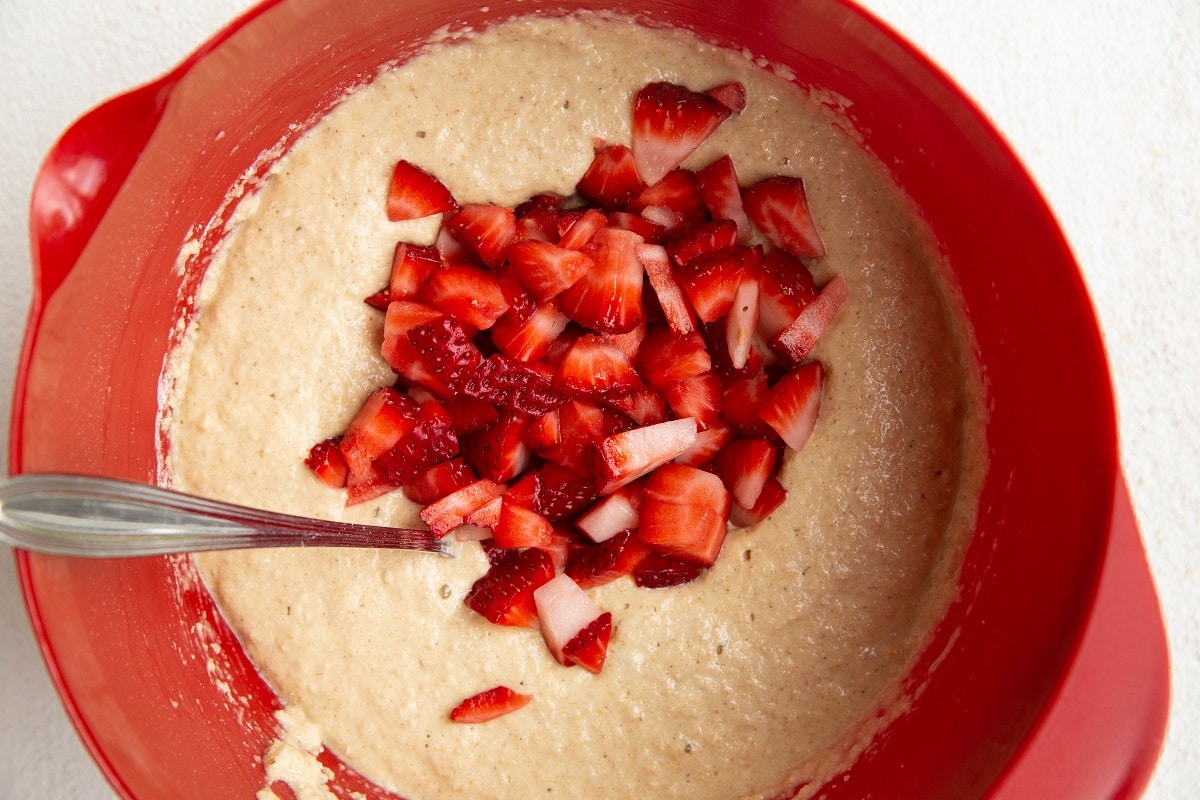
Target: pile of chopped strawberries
595,386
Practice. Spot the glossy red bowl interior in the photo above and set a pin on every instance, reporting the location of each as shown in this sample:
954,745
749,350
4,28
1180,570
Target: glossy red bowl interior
122,192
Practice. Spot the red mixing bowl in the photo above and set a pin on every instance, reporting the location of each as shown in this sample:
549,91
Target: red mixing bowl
1047,677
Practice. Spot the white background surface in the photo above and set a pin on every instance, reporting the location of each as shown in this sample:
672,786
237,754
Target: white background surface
1101,98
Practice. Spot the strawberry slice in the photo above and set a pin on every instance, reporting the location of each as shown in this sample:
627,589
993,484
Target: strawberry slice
499,451
772,496
630,342
684,513
486,230
742,321
794,404
612,179
468,294
576,229
589,647
452,510
608,299
708,443
785,288
669,122
658,571
545,269
732,95
778,206
412,264
796,341
625,457
594,367
711,280
616,513
745,465
439,480
564,611
698,397
702,237
326,461
678,191
656,261
505,593
414,193
521,527
605,562
722,195
667,358
513,385
488,705
384,418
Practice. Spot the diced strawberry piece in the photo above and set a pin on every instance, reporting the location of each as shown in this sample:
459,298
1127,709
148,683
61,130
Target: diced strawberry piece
487,706
563,610
625,457
630,342
745,465
708,443
732,95
649,229
505,593
412,264
453,251
645,406
384,418
379,300
589,647
594,367
399,352
414,193
439,480
612,179
326,461
675,308
470,295
796,341
431,441
742,321
658,571
669,122
678,191
529,339
577,229
563,493
684,513
362,488
545,269
741,401
770,498
723,196
451,511
470,414
698,397
486,517
544,201
667,358
537,218
514,386
663,219
785,288
717,340
487,230
499,451
580,425
544,431
794,404
521,527
700,238
608,299
615,513
560,545
446,349
711,280
603,563
404,315
778,206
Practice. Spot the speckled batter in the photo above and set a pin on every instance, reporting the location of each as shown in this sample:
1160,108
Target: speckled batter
752,676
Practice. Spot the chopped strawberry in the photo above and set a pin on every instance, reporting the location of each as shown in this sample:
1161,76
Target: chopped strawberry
778,206
698,397
564,610
669,122
605,562
794,404
645,406
710,280
559,546
732,95
708,443
593,367
700,238
499,451
453,251
745,465
326,461
580,423
796,341
513,385
785,288
486,518
446,350
577,229
608,299
612,179
505,593
379,300
723,196
545,269
630,342
716,338
451,511
589,647
742,321
485,229
468,294
414,193
625,457
684,513
521,527
544,431
529,339
657,264
488,705
398,351
432,440
439,480
404,315
470,414
649,229
537,218
615,513
741,401
663,220
562,493
658,571
667,358
384,418
677,191
412,264
772,496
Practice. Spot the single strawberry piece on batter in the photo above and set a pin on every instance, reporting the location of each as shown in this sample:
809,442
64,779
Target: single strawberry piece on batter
794,404
658,571
669,122
326,461
796,341
488,705
778,206
412,264
589,647
414,193
612,179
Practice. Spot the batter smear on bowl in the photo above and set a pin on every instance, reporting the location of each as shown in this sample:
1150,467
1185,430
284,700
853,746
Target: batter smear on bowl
722,454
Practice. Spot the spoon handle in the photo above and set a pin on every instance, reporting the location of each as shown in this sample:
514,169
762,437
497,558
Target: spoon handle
78,515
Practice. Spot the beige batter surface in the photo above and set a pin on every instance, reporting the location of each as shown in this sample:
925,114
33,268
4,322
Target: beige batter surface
721,688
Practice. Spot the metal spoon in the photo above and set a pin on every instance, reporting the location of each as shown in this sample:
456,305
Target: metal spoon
77,515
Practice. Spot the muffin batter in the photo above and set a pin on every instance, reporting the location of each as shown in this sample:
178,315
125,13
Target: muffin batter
755,677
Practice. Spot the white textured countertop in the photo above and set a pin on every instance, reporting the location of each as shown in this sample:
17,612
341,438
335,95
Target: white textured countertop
1101,98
